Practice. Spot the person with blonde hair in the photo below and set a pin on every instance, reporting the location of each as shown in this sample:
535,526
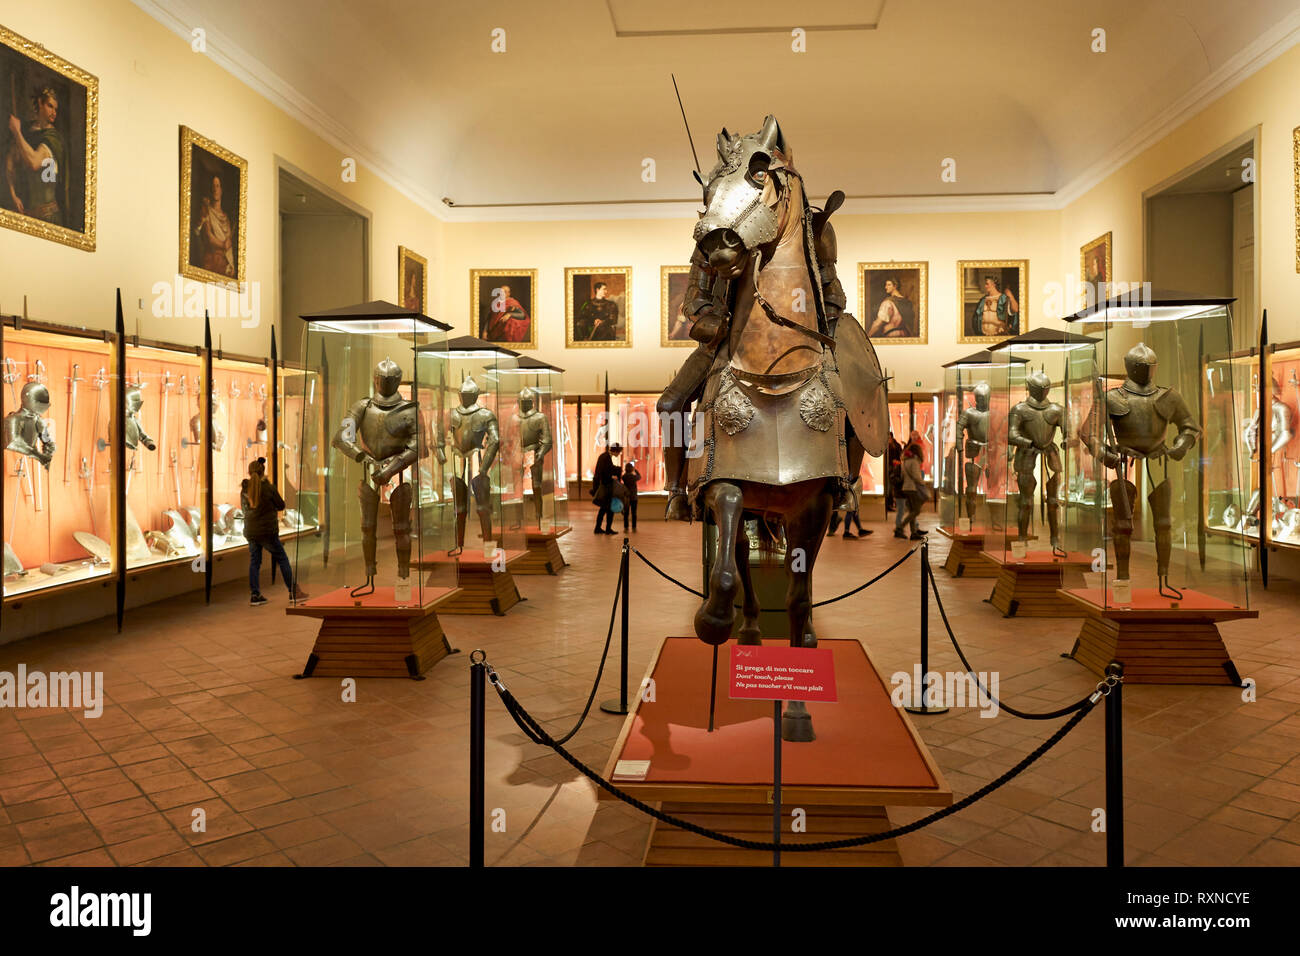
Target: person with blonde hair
261,504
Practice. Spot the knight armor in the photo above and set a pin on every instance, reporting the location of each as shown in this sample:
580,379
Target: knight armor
134,432
26,429
1139,414
1031,429
382,433
217,435
973,423
1279,426
474,435
535,436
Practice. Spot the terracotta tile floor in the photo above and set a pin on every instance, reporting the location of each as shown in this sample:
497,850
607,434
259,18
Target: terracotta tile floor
202,713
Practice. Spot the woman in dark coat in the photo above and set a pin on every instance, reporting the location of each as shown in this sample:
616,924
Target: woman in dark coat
261,505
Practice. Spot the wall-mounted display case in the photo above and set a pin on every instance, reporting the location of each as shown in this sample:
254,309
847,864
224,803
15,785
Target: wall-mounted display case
919,412
239,435
59,403
634,424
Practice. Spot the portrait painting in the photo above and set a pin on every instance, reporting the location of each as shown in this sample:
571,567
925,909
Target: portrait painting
412,280
994,303
503,306
214,210
674,327
49,142
893,298
597,303
1094,269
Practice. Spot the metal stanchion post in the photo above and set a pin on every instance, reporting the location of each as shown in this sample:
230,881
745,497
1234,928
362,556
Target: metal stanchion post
776,783
925,708
625,577
477,769
1114,768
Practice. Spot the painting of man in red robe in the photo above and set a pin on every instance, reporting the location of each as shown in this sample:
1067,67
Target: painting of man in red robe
504,306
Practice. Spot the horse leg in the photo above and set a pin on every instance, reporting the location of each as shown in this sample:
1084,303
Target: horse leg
804,529
749,632
714,619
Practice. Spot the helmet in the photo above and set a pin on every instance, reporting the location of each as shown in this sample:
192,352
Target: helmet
36,398
1140,364
134,399
982,393
388,376
1039,385
527,398
469,391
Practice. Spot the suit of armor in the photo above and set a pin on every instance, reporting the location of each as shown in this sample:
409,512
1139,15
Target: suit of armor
134,431
1139,414
474,430
535,436
383,433
974,424
26,430
217,436
1031,429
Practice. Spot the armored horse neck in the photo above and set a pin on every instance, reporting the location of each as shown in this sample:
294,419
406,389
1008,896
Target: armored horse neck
758,345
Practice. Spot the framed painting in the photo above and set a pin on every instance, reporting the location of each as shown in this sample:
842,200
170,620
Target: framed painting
214,210
503,306
894,299
50,144
1095,269
597,307
994,300
674,327
1295,159
412,280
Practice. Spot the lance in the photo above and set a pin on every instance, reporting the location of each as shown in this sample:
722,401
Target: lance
73,379
162,419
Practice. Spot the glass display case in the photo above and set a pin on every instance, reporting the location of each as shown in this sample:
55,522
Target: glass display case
60,396
165,465
1036,380
1161,434
297,392
1283,451
915,412
482,461
365,429
241,416
529,435
634,424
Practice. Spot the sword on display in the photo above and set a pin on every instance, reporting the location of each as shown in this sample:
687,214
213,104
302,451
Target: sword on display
97,382
162,418
37,375
73,379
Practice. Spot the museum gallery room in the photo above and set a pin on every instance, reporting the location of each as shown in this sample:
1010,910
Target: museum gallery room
604,433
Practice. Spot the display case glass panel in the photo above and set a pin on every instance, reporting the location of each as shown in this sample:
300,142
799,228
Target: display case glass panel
529,435
971,490
166,483
297,392
1283,451
1165,455
634,424
59,407
241,416
383,529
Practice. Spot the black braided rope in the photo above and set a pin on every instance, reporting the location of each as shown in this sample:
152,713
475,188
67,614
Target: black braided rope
776,610
530,727
600,671
1051,715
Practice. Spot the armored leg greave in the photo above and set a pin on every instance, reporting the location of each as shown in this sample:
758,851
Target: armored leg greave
1161,499
482,504
460,499
399,507
1122,496
973,474
537,489
1027,484
1054,507
369,498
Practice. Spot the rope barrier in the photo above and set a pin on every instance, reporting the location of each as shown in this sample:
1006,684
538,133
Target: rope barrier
528,724
1025,715
776,610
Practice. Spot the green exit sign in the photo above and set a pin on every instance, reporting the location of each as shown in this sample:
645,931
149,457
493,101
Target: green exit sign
918,383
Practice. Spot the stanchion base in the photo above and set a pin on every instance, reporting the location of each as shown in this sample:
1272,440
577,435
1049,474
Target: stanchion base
926,710
614,707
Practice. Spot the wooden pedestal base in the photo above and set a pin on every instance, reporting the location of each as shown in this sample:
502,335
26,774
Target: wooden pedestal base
965,557
482,588
543,555
866,756
375,639
1156,642
670,846
1029,588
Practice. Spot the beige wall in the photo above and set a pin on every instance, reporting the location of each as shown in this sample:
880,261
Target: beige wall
150,84
1191,243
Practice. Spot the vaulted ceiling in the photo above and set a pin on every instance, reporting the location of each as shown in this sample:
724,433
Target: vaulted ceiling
885,92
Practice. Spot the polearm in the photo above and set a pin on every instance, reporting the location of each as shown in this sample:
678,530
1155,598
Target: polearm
73,379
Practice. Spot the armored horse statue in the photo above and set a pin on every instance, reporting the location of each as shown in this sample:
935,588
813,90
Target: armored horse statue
788,394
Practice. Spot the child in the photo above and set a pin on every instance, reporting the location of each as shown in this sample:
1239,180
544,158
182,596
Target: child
630,478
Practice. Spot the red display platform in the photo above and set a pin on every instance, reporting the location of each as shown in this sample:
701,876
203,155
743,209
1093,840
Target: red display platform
1028,586
964,556
1159,640
866,756
543,555
372,636
482,588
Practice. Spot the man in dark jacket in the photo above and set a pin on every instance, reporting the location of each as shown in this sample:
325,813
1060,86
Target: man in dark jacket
603,477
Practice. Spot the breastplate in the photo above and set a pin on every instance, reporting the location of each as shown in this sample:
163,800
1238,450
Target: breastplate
531,430
1039,424
385,432
21,430
132,432
977,425
469,428
1140,427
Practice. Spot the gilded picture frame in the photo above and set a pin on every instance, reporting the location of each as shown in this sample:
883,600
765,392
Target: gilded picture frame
412,280
908,284
971,277
66,123
497,296
673,327
1295,158
598,307
211,249
1095,266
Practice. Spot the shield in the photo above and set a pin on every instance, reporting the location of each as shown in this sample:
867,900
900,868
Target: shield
865,397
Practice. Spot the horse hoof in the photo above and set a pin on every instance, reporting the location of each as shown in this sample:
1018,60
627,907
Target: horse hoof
797,727
711,628
677,509
749,634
